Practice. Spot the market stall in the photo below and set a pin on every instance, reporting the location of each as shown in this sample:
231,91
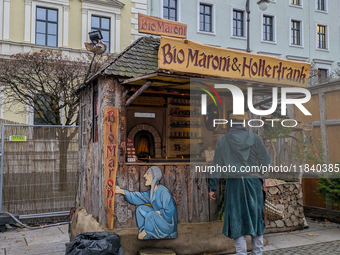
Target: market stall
146,109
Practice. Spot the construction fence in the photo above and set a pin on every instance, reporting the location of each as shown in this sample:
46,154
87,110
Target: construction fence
38,168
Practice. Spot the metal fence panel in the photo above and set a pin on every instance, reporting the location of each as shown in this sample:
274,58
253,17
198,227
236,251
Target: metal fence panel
39,168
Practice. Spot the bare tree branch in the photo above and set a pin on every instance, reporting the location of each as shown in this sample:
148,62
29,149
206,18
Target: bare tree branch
45,81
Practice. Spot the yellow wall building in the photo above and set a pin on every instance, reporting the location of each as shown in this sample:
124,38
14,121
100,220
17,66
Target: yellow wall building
27,25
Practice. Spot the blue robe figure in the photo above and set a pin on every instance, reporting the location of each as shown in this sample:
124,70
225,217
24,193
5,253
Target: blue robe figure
158,221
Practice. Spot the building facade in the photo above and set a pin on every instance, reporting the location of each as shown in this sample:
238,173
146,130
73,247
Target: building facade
27,25
292,29
30,25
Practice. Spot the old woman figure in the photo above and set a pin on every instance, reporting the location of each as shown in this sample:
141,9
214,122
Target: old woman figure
156,212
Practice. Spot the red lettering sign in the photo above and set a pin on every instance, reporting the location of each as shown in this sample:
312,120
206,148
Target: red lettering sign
111,129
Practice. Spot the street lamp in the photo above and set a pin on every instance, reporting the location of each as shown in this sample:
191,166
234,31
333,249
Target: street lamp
95,36
263,5
97,47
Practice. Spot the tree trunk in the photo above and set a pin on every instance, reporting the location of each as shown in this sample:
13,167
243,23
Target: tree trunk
63,149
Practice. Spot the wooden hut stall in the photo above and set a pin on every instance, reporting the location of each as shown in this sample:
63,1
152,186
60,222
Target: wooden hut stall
141,110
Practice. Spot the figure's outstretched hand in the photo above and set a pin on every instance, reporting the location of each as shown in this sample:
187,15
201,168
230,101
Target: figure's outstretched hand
212,195
119,191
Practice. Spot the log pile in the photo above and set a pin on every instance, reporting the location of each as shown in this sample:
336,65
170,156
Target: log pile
287,196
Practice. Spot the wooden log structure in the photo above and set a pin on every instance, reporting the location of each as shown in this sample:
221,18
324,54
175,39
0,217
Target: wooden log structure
110,89
189,190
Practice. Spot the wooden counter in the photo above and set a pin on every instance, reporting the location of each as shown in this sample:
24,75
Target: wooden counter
168,162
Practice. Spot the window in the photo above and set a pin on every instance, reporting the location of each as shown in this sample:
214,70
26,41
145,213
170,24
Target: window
103,25
238,23
46,32
321,5
321,34
296,32
170,9
43,113
268,29
83,125
322,75
295,2
95,113
205,17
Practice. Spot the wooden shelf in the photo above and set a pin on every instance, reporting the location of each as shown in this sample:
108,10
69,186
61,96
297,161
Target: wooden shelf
184,137
184,116
185,126
185,113
195,105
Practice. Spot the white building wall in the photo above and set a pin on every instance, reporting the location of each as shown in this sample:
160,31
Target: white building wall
283,12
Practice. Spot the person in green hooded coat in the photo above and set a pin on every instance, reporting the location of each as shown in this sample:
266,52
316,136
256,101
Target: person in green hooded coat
244,196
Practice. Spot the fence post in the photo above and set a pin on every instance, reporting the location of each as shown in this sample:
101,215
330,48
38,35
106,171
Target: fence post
2,163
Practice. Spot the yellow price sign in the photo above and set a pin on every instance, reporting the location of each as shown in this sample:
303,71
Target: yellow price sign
17,138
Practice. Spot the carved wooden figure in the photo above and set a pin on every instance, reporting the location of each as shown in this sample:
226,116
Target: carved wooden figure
156,213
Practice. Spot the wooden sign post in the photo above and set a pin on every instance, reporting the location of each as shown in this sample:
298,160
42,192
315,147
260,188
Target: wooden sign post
157,26
111,121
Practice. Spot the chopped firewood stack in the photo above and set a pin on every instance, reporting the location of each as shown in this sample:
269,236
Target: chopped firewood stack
287,196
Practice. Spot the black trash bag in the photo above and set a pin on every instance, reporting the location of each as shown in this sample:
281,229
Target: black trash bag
95,243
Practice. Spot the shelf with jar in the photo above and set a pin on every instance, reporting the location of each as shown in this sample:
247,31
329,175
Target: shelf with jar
184,102
184,135
184,110
184,124
177,112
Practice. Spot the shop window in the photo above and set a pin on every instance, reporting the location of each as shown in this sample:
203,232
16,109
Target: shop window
268,28
103,25
238,23
170,9
321,34
296,32
205,17
46,32
95,113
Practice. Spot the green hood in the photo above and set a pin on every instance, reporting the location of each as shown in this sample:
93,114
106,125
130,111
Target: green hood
240,144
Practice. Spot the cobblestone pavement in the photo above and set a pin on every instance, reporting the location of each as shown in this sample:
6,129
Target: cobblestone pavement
45,241
331,248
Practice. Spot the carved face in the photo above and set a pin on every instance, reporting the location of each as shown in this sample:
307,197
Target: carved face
148,178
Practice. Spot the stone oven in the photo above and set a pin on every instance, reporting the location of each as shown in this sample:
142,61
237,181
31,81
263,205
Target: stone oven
147,141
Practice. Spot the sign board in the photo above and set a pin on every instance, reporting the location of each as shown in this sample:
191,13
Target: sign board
185,56
111,120
145,115
157,26
17,138
130,150
155,101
